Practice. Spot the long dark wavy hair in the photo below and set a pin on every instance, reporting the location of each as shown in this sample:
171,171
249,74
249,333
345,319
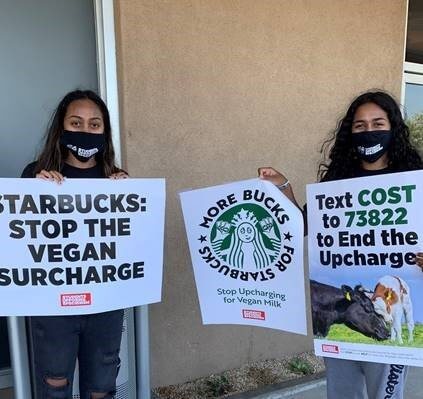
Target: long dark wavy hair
340,159
53,155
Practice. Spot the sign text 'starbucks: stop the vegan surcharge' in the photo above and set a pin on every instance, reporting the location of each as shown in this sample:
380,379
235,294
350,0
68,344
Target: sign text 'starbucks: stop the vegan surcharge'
74,248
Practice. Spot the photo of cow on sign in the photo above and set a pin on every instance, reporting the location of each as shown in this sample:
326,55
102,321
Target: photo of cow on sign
351,307
391,299
380,315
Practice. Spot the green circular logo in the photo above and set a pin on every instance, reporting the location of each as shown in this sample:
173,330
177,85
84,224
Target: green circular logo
246,237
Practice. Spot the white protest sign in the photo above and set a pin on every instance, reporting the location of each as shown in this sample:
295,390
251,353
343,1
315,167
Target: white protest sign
367,290
246,243
85,246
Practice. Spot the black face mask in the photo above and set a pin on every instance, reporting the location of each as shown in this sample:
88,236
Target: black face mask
83,145
372,145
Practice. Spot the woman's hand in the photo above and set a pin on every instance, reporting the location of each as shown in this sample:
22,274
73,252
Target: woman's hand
419,259
52,175
272,175
119,175
279,180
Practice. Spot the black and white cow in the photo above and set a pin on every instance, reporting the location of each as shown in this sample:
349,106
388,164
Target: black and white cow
352,307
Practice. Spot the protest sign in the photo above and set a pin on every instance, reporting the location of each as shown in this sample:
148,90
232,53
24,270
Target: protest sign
366,287
246,243
84,246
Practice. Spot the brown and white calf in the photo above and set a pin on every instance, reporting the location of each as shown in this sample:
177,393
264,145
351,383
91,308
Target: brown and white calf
391,299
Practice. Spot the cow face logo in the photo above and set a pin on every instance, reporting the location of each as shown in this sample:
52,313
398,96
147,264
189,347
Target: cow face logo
246,237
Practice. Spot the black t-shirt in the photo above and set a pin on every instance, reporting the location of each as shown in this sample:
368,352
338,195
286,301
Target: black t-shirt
364,172
70,171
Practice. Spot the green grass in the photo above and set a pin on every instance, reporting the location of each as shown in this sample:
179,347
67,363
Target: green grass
217,386
340,332
300,366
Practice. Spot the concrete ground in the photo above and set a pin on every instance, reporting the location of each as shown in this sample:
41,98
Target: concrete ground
312,390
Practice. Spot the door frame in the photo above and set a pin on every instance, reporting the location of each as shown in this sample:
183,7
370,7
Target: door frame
106,66
413,73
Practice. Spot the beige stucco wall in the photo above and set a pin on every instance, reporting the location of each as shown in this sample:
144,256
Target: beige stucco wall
212,89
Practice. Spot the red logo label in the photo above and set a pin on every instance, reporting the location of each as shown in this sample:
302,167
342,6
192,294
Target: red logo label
330,348
253,314
83,299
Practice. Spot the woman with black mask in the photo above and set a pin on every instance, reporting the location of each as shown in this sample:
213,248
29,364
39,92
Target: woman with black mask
78,145
371,139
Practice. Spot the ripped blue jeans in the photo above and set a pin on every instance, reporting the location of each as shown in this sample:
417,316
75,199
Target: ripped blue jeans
92,339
